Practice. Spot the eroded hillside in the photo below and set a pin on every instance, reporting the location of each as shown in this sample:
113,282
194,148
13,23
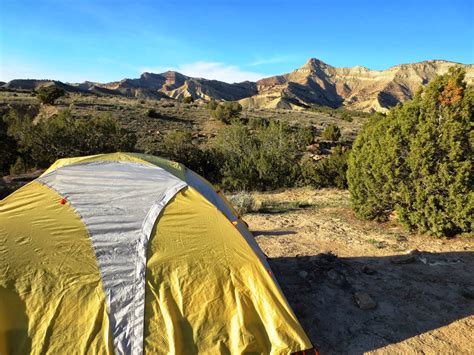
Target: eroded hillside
356,88
314,84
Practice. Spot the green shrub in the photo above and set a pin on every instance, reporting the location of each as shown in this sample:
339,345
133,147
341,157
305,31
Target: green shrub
331,133
328,172
179,146
345,116
265,160
212,105
49,94
63,135
342,113
238,149
258,122
8,148
243,202
20,167
418,160
227,111
152,113
188,99
370,168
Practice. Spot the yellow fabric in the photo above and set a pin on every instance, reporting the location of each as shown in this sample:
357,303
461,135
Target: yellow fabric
172,167
51,295
207,292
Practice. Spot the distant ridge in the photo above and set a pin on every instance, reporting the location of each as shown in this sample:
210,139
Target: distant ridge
358,88
315,83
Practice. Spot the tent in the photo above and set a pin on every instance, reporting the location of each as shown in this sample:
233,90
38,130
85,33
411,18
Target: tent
128,253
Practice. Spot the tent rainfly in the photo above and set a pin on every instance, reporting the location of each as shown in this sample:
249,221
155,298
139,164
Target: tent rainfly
128,253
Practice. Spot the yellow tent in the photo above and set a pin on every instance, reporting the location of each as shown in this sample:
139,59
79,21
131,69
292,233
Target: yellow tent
128,253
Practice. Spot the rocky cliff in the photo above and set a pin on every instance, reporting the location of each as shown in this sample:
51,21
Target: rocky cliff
357,88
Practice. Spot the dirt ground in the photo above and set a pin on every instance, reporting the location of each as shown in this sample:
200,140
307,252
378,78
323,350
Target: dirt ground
416,292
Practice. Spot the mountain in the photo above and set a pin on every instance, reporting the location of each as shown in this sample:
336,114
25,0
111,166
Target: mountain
175,85
357,88
315,83
35,84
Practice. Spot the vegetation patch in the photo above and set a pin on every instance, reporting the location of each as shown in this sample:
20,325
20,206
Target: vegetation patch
329,172
332,133
225,111
49,94
244,202
40,144
418,161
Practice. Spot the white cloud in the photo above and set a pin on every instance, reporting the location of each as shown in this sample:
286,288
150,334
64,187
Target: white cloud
211,70
270,60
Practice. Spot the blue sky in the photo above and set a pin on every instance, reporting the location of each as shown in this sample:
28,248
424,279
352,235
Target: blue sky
77,40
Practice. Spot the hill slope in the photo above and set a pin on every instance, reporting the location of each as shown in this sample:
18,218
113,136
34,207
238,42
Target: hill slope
357,88
315,83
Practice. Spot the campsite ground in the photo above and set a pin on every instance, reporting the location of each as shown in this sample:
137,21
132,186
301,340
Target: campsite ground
324,257
321,254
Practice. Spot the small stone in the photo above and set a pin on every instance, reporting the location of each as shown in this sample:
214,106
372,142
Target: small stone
364,301
368,270
336,277
303,274
403,259
333,274
401,238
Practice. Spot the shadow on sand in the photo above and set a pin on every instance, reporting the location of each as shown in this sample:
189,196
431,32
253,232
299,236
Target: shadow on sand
431,291
275,233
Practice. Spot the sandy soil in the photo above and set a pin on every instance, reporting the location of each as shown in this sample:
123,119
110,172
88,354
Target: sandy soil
420,302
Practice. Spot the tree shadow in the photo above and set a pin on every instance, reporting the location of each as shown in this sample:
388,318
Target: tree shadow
280,207
276,233
432,291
